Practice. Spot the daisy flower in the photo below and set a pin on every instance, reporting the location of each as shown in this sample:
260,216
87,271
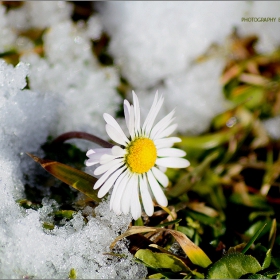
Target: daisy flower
136,168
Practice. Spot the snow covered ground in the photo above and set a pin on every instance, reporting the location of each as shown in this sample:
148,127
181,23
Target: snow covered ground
154,46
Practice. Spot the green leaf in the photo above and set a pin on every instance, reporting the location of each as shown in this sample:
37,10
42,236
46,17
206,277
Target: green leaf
79,180
250,200
72,274
169,223
196,144
163,275
186,182
160,260
257,276
195,254
202,218
139,222
186,230
251,96
272,233
233,266
207,141
210,189
257,214
157,276
267,260
49,226
272,273
25,203
68,214
254,228
252,240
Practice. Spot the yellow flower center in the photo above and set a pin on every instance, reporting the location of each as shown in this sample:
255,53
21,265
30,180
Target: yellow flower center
142,155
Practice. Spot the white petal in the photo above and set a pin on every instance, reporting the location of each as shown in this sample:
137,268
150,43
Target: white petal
166,142
106,158
96,156
156,134
136,113
104,167
115,135
160,176
156,189
162,124
104,177
109,183
126,197
115,189
167,131
112,122
118,190
98,151
173,162
146,197
135,206
150,112
131,123
152,116
117,207
162,169
118,151
126,109
91,162
170,152
89,152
